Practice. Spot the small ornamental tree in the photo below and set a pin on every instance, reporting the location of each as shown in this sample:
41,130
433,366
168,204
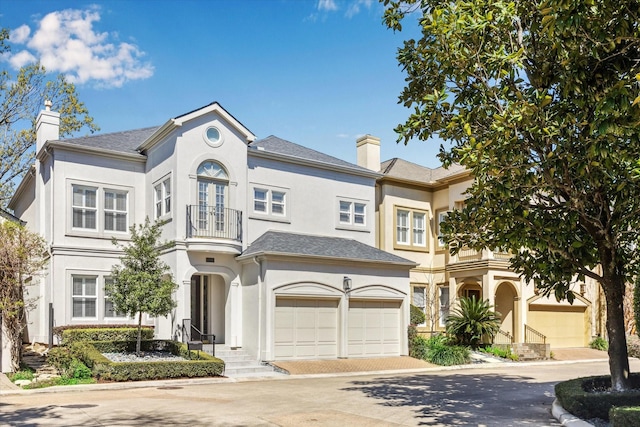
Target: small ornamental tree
23,256
142,283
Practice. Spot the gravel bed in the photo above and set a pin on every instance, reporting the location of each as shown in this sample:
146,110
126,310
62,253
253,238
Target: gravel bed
147,356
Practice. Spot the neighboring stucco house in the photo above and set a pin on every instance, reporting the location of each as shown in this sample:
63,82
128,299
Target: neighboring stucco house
411,201
274,245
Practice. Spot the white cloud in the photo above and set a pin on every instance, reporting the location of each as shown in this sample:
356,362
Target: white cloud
67,42
354,8
327,5
21,59
20,34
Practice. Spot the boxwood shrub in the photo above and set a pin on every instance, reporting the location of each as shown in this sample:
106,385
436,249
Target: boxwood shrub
625,416
576,396
71,335
200,365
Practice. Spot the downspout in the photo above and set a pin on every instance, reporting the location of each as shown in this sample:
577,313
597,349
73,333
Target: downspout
260,323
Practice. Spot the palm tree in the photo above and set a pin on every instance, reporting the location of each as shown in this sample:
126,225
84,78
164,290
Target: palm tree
472,320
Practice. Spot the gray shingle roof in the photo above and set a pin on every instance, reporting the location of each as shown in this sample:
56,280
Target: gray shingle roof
282,243
125,142
277,145
402,169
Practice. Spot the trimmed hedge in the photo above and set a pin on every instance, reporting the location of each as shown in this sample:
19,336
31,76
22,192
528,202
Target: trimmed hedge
111,333
625,417
201,365
416,315
575,397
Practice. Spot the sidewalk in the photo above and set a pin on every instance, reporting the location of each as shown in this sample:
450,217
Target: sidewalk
322,368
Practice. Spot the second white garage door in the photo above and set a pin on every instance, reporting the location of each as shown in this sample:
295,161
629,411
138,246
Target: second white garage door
374,328
306,328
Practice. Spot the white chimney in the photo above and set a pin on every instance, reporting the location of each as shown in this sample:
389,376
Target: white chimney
47,126
368,152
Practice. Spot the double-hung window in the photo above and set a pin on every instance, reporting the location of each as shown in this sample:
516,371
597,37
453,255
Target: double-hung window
411,229
115,210
352,213
270,202
443,300
441,217
84,296
162,191
84,207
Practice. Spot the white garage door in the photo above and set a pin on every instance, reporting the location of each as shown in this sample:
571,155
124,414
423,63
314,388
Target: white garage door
306,328
374,328
563,326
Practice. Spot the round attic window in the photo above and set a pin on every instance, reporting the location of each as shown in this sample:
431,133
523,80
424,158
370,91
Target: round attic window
213,136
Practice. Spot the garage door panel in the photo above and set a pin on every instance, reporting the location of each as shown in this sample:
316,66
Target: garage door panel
306,328
563,327
374,328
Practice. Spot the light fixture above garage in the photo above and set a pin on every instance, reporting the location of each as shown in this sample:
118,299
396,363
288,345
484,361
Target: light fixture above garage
346,283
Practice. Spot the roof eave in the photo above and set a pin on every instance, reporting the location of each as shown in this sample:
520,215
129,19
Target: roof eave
408,264
313,163
21,187
44,152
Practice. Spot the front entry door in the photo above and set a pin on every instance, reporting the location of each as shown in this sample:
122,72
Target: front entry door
199,306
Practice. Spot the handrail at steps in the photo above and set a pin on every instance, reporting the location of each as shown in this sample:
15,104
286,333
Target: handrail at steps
534,337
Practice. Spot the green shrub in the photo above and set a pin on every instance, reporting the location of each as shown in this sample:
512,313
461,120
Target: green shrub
60,358
71,335
448,355
78,370
599,343
505,353
419,348
58,330
416,316
624,416
471,321
22,374
575,396
202,365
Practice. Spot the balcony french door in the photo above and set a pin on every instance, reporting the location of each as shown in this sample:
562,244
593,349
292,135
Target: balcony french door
211,206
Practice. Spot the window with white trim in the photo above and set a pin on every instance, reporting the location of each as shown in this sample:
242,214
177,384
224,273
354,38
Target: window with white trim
162,191
84,296
115,210
419,299
411,229
441,216
109,307
352,213
84,207
270,202
443,302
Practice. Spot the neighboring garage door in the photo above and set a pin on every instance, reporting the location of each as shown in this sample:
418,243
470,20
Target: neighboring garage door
563,326
306,328
374,328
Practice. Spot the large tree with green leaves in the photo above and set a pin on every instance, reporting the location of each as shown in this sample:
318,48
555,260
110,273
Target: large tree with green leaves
23,256
142,283
539,100
22,96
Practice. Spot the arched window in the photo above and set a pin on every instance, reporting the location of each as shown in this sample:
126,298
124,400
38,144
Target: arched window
213,183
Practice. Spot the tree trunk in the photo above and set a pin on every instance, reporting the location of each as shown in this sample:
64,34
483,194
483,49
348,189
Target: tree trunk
138,341
618,356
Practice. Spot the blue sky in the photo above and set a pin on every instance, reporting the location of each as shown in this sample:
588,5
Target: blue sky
316,72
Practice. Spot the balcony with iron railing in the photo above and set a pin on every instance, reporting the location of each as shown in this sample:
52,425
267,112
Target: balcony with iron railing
211,223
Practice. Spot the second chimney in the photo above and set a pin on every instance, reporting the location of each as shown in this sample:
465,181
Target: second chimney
47,126
368,152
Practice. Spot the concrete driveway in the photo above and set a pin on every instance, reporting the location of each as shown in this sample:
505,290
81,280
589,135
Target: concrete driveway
497,395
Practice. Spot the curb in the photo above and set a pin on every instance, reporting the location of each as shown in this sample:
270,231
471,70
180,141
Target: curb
188,381
565,418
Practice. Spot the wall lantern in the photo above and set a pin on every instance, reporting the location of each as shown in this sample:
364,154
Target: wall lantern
346,284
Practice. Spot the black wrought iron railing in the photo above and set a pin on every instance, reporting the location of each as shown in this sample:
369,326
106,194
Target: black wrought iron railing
211,221
503,337
195,339
534,337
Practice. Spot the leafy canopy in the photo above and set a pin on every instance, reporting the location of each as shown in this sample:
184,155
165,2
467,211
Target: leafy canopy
142,283
22,96
540,100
